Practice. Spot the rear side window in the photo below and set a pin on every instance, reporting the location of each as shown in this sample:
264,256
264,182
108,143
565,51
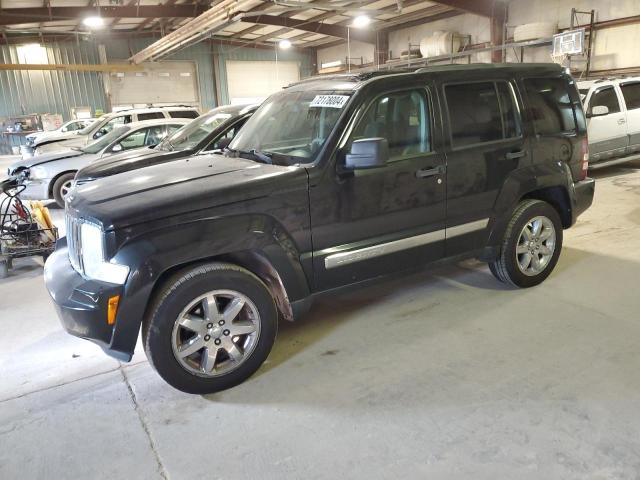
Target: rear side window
183,114
550,105
150,116
631,94
605,97
482,112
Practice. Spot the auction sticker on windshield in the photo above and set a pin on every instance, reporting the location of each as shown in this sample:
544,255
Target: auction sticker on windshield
329,101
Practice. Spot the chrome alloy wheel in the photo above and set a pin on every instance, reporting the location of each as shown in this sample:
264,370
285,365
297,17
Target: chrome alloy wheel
536,244
65,188
216,333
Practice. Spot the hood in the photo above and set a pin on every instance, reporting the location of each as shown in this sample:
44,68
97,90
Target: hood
44,158
179,187
127,161
53,136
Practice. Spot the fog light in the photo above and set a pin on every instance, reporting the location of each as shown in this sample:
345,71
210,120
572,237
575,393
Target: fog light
112,309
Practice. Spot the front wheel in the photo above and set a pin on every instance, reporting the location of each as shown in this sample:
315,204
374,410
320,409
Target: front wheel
531,245
62,187
210,328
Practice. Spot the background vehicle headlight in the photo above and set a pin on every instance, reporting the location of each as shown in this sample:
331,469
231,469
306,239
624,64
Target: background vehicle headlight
37,173
93,261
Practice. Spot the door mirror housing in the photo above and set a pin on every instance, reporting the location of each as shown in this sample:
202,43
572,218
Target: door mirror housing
117,148
599,111
367,153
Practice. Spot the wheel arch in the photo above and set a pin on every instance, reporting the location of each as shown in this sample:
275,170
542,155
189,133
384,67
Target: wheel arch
55,179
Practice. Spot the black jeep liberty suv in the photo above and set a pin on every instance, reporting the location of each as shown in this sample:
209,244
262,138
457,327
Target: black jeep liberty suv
333,181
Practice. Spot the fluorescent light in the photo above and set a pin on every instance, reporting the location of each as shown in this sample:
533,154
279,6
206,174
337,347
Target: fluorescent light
93,22
361,21
284,44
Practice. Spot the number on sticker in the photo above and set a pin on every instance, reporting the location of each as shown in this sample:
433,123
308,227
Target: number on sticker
329,101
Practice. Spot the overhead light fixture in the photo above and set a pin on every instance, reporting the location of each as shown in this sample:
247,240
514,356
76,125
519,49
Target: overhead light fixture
284,44
93,22
361,21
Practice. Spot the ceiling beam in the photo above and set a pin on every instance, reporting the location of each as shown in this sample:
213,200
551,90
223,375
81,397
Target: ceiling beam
15,16
331,30
484,8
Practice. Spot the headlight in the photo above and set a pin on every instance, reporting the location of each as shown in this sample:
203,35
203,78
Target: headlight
93,257
37,173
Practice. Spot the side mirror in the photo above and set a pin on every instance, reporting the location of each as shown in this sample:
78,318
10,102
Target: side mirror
222,143
117,148
368,153
599,111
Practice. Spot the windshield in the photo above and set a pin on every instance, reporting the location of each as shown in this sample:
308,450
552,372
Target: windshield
290,127
101,143
89,128
194,132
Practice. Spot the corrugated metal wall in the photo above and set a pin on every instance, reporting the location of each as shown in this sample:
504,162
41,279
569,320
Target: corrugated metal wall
48,91
25,92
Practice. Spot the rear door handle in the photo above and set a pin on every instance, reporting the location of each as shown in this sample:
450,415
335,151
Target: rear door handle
430,172
514,155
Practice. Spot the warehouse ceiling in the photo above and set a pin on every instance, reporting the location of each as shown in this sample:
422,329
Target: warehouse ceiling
305,23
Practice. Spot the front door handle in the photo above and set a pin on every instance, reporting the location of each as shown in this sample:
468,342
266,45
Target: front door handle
621,121
514,155
430,172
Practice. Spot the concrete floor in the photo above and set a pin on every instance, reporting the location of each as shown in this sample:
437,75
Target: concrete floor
444,374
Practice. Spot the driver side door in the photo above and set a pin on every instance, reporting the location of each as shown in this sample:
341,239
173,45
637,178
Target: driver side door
370,222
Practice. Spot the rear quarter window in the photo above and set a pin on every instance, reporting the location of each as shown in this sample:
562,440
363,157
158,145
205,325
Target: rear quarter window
150,116
183,114
550,106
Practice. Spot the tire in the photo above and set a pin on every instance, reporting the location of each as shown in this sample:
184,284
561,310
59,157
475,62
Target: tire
166,340
61,184
510,264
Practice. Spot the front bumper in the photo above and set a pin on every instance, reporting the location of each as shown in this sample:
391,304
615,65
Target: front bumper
582,196
35,189
81,303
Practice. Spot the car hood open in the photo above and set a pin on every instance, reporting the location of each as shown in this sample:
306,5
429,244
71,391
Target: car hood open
173,188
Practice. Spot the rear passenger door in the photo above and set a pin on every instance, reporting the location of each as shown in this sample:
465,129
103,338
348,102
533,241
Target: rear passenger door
486,144
631,93
607,133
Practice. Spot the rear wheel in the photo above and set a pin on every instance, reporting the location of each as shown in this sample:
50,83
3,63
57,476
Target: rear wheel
61,188
531,245
210,328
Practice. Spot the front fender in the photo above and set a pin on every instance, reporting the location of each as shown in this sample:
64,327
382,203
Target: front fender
153,253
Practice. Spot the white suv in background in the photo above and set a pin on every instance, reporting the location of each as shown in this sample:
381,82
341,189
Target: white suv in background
107,122
612,107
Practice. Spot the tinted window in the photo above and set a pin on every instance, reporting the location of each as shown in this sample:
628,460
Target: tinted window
605,97
510,114
150,116
474,113
631,94
183,114
402,118
550,106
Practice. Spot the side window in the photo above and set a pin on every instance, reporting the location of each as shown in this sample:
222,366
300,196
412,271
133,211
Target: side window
474,113
134,140
631,94
550,105
605,97
149,116
403,118
155,135
183,114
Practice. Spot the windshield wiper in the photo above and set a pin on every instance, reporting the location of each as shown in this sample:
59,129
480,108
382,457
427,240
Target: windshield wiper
254,155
